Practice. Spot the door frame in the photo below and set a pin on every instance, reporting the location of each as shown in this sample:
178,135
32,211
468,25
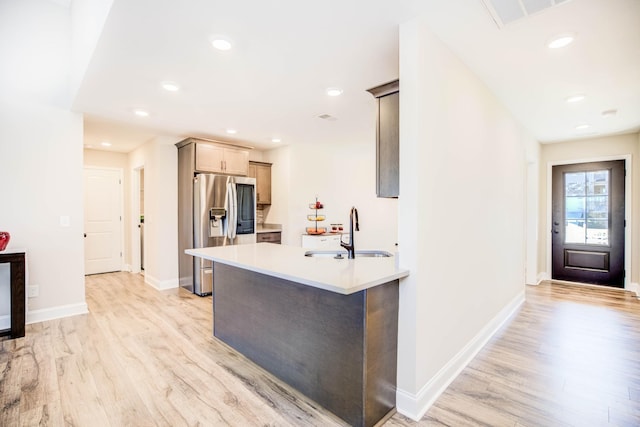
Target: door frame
135,220
121,199
627,210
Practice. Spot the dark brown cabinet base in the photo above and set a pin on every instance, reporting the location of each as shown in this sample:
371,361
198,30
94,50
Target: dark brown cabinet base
387,138
339,350
270,237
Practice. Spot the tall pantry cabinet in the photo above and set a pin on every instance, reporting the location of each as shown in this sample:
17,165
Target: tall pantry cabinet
261,171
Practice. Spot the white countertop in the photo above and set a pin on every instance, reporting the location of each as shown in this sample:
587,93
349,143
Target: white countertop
269,228
343,276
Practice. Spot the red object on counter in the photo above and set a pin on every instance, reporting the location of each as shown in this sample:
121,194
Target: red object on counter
4,240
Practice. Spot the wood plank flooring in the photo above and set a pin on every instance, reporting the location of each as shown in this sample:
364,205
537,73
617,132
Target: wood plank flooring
569,357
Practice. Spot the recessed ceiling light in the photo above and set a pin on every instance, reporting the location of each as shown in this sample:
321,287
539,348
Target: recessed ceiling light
105,144
334,91
276,140
221,44
575,98
583,126
141,113
560,41
232,131
171,86
609,113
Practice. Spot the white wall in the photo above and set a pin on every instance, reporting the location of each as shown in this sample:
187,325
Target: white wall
113,160
159,158
461,216
87,21
278,212
532,149
341,174
41,155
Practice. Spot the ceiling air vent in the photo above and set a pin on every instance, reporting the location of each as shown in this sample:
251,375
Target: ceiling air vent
505,12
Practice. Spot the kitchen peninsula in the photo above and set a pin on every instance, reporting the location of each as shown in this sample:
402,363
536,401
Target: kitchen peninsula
327,327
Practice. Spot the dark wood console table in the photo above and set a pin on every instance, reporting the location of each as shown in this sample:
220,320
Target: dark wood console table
16,258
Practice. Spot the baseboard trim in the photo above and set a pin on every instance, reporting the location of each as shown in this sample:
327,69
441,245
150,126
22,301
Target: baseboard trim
634,287
42,315
160,285
415,406
543,276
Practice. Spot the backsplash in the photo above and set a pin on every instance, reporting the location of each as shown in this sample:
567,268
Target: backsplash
259,215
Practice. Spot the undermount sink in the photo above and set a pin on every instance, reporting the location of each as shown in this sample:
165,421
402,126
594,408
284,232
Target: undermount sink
343,254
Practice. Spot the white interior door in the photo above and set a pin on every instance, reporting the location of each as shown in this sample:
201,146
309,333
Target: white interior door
102,220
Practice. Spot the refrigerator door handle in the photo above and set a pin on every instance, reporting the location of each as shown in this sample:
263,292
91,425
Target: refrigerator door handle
232,218
229,211
234,203
197,217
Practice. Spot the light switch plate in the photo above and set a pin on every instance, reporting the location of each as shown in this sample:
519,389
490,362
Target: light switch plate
65,221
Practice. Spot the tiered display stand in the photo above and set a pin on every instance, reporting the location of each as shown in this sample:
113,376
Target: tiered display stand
316,218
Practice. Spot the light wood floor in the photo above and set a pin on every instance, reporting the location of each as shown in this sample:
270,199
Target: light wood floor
570,357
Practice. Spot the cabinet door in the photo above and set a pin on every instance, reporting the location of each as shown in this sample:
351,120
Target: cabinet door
209,158
236,162
263,180
323,241
251,172
262,173
271,237
388,179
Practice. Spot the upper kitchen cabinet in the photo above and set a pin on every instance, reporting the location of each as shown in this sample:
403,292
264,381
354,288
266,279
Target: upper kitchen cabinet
209,158
213,157
387,138
220,159
262,173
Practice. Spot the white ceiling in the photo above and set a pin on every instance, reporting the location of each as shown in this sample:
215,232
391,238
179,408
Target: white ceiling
287,52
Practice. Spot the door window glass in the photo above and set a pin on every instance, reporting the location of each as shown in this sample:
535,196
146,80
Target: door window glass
586,196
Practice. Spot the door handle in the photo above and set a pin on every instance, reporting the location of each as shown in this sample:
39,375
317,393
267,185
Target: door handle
85,234
555,230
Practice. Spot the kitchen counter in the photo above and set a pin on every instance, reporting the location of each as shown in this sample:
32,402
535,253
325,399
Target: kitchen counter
269,228
343,276
327,327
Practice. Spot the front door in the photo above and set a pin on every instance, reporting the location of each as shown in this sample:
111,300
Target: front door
102,220
588,223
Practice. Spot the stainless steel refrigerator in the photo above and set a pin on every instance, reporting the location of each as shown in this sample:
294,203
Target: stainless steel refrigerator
223,213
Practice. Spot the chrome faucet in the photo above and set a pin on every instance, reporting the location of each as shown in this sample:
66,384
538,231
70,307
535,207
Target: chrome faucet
351,247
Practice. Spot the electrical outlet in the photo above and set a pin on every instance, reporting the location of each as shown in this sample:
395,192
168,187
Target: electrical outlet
34,291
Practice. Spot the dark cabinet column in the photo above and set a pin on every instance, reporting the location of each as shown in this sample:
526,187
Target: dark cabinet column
387,139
